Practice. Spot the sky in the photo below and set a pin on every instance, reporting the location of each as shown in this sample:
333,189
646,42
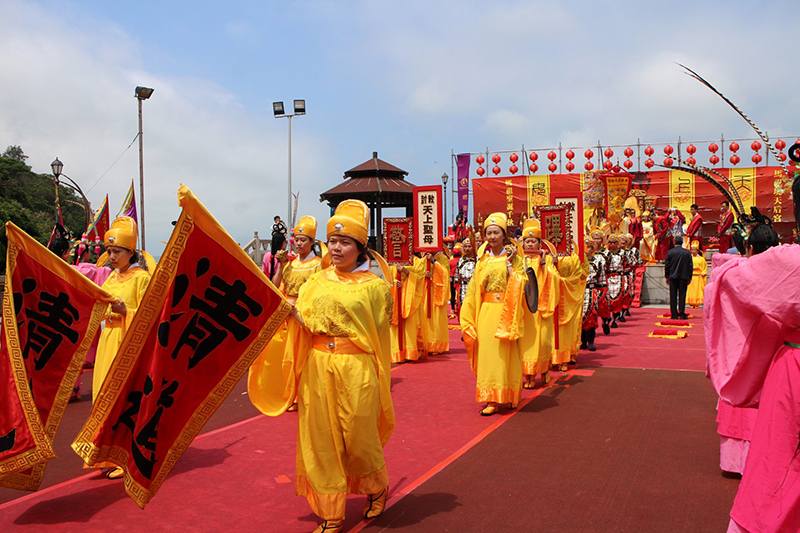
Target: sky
414,81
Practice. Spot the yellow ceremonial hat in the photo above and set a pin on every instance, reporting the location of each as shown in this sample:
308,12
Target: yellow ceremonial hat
532,228
496,219
123,233
695,245
307,226
351,219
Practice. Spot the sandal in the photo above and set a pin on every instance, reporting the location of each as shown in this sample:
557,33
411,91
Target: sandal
529,384
292,408
563,367
375,504
330,526
545,378
489,410
116,473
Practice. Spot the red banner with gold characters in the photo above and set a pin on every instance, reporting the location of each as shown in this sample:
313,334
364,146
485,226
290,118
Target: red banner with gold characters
206,315
428,234
556,224
398,241
51,313
617,189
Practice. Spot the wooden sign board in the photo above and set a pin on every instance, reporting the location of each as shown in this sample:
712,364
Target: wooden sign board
428,230
398,241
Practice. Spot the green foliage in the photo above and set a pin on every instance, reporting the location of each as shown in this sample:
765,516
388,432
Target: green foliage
28,200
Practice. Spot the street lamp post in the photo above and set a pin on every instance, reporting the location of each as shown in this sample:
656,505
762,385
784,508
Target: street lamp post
142,93
279,112
445,177
57,167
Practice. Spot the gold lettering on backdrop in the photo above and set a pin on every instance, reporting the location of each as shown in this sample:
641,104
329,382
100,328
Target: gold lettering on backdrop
553,230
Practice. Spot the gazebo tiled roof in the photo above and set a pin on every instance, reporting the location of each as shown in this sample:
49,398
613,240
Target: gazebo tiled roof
378,184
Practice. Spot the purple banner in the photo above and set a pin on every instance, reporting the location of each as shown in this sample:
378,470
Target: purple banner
463,184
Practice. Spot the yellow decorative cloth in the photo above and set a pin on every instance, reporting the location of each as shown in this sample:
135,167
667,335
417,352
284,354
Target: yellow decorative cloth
694,293
406,321
572,278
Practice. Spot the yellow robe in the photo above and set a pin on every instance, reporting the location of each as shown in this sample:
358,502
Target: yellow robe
295,274
694,294
342,387
647,247
130,287
406,321
437,336
573,274
536,345
491,323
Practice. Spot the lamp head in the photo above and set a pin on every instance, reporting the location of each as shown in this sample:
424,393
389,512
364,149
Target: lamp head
57,167
143,93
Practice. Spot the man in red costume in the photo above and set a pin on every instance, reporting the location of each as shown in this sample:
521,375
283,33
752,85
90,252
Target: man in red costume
661,231
635,228
695,230
725,227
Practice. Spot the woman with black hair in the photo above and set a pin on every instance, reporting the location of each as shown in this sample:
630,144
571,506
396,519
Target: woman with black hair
757,364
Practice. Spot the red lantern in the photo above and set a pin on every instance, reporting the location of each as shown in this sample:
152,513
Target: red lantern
649,151
691,149
628,163
588,154
481,171
734,146
552,167
756,158
608,164
570,154
713,148
513,169
609,153
496,170
616,168
514,158
691,161
480,160
756,146
570,166
714,159
552,156
628,152
533,168
534,156
495,159
782,157
780,144
668,162
735,159
649,163
588,166
668,149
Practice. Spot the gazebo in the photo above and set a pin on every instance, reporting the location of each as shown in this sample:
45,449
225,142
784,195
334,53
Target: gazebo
379,185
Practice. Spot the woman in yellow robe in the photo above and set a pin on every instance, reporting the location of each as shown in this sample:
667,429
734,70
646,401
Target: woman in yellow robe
289,277
694,293
491,319
572,277
339,353
536,345
128,283
408,297
647,248
436,334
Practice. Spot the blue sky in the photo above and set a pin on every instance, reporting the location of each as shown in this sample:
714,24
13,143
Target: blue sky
412,80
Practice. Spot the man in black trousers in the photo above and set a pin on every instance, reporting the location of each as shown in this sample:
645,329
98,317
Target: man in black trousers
678,270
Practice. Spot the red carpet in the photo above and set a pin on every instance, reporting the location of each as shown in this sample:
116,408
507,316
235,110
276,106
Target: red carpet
240,477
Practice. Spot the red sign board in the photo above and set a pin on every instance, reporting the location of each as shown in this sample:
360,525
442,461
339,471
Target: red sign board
428,234
556,223
398,241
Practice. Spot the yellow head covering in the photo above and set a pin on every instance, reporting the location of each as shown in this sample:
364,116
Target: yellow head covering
351,219
496,219
695,245
307,226
531,228
123,232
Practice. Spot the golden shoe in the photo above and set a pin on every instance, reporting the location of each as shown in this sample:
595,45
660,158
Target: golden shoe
375,504
330,526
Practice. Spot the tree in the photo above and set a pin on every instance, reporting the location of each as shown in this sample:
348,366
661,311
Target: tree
28,200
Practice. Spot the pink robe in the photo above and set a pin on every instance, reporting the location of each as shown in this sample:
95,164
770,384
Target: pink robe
751,309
